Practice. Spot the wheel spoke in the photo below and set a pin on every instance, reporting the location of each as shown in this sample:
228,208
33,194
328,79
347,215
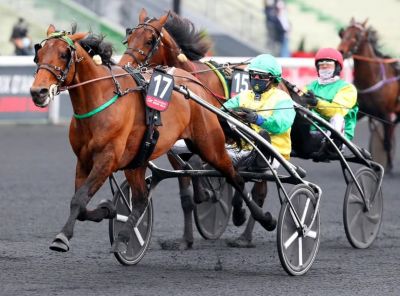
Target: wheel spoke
291,240
355,199
205,213
373,218
355,218
122,218
139,236
303,217
130,198
300,251
293,217
224,206
312,234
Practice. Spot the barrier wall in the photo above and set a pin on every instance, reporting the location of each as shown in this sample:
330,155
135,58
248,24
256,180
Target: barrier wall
16,77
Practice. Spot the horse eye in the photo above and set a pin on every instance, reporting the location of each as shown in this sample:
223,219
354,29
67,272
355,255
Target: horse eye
150,42
64,55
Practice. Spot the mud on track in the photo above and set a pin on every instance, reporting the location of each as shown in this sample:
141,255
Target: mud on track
36,185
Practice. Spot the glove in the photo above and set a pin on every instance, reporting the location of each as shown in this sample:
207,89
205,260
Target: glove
251,117
310,99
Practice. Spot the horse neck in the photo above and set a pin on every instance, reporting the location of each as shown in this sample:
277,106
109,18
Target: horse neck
366,73
87,97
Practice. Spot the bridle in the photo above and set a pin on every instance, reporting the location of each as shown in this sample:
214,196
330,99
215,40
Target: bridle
59,73
155,32
359,38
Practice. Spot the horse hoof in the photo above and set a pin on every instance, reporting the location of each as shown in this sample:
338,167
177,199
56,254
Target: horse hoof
239,243
60,243
268,222
238,216
110,207
185,245
118,247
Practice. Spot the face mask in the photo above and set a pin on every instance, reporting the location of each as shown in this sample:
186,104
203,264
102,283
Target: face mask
326,73
258,85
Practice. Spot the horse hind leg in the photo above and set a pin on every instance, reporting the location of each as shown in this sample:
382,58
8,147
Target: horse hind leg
221,161
259,192
186,196
388,144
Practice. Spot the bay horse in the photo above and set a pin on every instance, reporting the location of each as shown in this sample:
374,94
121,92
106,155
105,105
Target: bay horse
105,134
376,77
173,41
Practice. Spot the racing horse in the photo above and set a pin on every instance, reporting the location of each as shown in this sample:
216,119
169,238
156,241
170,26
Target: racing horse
105,134
376,77
173,41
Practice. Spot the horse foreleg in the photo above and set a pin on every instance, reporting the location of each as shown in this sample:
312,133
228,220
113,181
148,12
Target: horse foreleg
97,176
136,179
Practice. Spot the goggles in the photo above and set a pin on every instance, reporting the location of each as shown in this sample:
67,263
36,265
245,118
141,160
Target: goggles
326,63
260,75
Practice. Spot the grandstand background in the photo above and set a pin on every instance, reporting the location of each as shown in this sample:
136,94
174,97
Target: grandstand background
236,26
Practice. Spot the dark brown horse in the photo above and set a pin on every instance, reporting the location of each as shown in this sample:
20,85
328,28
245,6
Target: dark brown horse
376,77
105,134
173,41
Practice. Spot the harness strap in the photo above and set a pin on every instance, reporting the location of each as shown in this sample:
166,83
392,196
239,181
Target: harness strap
221,78
380,83
98,109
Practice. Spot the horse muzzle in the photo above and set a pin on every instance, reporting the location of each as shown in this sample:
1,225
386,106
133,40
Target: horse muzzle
42,96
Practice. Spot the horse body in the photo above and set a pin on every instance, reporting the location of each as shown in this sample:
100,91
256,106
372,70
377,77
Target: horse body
377,81
173,41
110,139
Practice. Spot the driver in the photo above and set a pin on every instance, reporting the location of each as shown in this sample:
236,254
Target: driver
332,98
265,107
270,112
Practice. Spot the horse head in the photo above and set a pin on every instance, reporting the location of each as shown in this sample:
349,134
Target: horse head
352,37
145,41
55,58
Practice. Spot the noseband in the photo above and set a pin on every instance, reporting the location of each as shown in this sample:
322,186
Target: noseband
155,32
59,74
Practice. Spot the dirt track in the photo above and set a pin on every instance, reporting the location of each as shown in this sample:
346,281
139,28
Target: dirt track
36,185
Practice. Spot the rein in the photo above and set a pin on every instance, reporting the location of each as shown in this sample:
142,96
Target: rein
376,60
91,81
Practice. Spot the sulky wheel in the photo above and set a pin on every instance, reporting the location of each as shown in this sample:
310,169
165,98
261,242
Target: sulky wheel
376,146
212,216
362,221
297,250
140,235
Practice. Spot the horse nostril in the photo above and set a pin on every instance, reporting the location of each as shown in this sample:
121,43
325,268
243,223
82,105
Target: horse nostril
43,91
39,92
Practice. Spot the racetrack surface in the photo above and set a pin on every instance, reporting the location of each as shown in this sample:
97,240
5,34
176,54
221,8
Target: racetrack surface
36,185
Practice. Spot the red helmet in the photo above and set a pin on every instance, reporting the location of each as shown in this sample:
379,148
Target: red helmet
328,53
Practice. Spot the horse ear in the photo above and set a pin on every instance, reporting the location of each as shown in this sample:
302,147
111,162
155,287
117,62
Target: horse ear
163,19
365,22
78,36
352,21
142,15
50,30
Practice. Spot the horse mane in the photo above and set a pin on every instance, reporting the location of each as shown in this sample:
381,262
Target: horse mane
95,45
373,39
193,43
